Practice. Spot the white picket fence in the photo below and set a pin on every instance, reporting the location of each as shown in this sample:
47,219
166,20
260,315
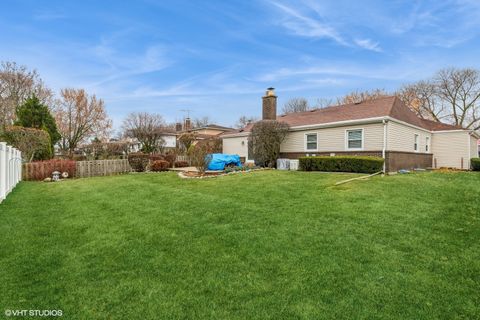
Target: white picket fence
10,169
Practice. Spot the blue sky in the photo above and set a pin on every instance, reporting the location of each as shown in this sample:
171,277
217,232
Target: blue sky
218,57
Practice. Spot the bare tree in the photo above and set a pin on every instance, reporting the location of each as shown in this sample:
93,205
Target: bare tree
201,122
460,89
452,95
361,96
147,128
265,140
296,105
323,103
79,117
244,120
422,98
17,84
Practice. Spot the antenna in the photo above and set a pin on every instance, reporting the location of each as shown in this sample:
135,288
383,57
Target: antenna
187,111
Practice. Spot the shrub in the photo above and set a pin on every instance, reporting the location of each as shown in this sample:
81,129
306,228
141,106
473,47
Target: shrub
181,164
159,165
199,157
264,141
170,157
342,164
156,157
475,164
212,145
138,161
33,143
40,170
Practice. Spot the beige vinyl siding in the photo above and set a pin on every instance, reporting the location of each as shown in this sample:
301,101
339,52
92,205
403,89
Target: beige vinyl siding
333,139
449,148
473,147
401,137
234,146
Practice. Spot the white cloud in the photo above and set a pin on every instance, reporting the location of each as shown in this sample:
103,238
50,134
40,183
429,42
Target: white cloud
302,25
368,44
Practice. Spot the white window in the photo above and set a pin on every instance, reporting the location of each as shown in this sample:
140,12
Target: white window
355,139
415,144
427,144
311,142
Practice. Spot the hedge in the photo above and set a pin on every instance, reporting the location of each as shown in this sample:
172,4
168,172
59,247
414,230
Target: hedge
40,170
138,161
475,164
181,164
34,144
159,165
359,164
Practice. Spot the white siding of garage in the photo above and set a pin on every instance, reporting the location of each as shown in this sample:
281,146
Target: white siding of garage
236,145
450,148
401,137
473,147
334,139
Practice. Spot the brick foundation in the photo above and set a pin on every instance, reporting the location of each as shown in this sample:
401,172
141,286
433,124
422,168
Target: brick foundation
394,160
296,155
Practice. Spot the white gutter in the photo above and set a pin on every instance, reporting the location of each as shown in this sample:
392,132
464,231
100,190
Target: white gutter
337,123
384,149
469,150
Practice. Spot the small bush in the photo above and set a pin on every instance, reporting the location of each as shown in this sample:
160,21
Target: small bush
342,164
138,161
34,144
155,157
159,165
181,164
475,164
40,170
199,157
170,157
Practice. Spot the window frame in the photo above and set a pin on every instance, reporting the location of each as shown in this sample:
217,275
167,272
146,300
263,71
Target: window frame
305,144
416,142
427,144
362,140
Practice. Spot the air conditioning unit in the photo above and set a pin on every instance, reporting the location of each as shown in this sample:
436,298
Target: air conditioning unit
294,165
283,164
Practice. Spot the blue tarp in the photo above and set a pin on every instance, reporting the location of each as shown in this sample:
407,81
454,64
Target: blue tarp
218,161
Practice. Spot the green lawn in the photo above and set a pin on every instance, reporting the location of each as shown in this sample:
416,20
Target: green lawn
264,245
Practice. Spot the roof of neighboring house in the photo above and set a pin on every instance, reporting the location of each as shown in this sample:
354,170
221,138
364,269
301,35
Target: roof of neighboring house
386,106
214,127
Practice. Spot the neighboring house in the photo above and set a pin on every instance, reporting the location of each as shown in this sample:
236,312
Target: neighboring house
169,141
384,127
201,133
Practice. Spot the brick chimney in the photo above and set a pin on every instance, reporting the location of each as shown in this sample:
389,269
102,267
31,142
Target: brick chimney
188,124
178,126
269,105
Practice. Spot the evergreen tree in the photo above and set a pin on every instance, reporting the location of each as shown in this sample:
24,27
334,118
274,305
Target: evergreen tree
34,114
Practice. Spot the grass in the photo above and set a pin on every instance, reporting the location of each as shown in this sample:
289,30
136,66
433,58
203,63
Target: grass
264,245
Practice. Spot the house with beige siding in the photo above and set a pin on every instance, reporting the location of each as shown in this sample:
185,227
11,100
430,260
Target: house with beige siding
384,127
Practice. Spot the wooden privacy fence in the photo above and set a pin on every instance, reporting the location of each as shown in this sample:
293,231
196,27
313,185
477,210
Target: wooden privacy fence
101,168
10,169
76,169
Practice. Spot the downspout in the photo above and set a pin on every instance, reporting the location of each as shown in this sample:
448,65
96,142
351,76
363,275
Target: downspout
384,149
469,150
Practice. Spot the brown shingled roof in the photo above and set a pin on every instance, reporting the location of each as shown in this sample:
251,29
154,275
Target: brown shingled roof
386,106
